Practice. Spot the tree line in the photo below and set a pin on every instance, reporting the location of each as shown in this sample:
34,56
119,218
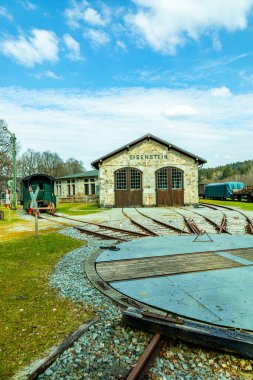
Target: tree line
31,162
237,171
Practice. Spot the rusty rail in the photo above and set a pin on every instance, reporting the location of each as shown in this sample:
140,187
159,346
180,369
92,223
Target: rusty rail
98,234
146,229
190,224
223,225
146,358
193,227
219,227
249,226
170,226
140,234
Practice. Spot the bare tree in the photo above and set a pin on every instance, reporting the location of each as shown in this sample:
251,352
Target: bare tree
28,163
49,163
73,166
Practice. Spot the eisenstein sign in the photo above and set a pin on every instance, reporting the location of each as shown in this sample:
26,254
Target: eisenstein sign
148,156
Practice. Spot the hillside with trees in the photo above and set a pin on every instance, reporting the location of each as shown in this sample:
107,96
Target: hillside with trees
238,171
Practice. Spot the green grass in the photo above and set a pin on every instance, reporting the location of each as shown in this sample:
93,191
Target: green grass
10,216
243,205
33,316
77,208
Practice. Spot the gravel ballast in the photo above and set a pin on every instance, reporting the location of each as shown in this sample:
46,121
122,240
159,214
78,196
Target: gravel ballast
109,349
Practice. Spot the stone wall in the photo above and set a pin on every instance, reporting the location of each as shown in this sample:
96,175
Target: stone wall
148,156
79,186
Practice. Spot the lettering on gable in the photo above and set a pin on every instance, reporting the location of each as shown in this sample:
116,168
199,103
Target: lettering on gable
148,156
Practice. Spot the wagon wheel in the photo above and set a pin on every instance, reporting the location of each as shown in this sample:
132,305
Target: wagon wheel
51,208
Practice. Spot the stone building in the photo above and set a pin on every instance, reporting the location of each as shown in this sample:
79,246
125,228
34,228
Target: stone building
148,172
80,186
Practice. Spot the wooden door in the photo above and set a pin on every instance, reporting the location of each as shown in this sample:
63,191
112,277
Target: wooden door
169,187
128,188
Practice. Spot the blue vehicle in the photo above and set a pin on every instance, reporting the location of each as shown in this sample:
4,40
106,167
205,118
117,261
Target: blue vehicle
223,190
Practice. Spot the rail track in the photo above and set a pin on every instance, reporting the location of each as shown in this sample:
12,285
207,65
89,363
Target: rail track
96,229
219,228
146,359
151,225
249,223
140,224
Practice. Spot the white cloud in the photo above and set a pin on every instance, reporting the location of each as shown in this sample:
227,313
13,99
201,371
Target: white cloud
120,44
87,125
81,13
91,16
166,25
47,74
180,110
5,13
220,92
217,45
73,47
28,5
41,46
97,37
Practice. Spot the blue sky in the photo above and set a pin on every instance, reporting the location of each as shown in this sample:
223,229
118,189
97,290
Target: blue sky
82,78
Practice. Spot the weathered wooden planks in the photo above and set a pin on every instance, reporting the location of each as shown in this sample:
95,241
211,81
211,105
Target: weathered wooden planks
119,270
246,253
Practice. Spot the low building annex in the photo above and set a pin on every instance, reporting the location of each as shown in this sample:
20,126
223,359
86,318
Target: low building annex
82,186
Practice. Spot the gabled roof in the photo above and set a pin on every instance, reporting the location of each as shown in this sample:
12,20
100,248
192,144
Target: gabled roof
148,136
89,173
37,175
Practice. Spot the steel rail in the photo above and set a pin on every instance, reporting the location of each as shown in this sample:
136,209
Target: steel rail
31,372
140,234
167,225
249,226
190,224
98,234
146,358
146,229
219,227
224,222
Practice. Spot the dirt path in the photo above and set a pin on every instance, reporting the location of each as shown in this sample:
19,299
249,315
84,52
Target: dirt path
21,225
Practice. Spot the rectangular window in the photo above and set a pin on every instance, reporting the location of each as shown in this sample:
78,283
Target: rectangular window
86,189
93,190
162,179
177,179
135,179
69,193
58,189
121,183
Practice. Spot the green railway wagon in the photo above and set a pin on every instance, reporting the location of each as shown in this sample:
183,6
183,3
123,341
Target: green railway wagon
46,198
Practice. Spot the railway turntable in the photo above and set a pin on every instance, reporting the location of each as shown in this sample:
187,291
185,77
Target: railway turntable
196,289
